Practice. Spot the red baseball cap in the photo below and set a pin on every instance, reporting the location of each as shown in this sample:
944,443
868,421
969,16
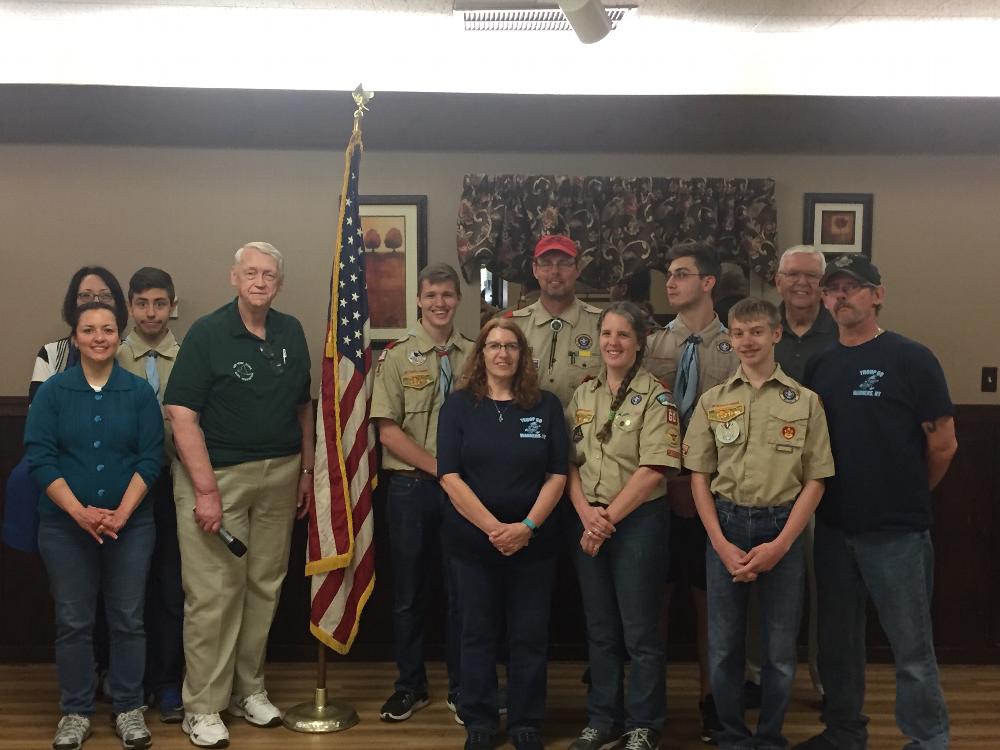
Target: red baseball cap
558,242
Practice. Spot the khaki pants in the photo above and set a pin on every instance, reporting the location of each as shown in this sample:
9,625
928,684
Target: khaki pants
229,601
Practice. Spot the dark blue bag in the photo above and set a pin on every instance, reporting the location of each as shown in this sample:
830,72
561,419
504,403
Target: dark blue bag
20,515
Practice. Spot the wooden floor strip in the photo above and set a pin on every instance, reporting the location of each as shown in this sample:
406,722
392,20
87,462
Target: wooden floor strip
29,710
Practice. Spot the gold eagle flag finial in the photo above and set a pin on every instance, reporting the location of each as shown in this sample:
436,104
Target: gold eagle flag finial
361,99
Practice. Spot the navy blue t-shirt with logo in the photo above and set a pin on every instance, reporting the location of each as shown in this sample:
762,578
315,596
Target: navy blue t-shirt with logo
504,463
876,396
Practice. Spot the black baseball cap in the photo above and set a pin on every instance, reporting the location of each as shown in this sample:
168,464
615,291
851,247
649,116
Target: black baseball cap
856,265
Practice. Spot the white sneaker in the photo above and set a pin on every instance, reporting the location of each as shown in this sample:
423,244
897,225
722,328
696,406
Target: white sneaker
257,709
205,730
73,729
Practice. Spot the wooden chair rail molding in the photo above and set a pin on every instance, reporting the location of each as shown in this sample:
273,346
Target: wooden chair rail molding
966,596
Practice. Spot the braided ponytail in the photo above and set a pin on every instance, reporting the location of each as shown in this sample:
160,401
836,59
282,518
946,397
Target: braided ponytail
605,432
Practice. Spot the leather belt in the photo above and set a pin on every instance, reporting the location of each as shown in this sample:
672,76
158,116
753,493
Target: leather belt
415,474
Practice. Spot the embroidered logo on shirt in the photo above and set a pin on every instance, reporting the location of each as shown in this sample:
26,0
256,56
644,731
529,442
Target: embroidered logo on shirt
788,432
869,384
725,347
243,371
531,427
790,395
635,399
583,341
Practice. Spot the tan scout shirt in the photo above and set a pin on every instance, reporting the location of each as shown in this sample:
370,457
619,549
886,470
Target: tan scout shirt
716,358
645,432
566,357
761,445
132,356
406,388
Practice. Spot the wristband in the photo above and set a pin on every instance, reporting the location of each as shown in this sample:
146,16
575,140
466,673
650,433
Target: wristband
530,524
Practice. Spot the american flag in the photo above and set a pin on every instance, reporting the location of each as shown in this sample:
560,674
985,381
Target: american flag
341,553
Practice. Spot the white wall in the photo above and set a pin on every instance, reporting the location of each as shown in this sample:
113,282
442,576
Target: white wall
187,210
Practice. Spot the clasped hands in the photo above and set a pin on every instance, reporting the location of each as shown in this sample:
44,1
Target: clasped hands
510,538
100,522
745,567
597,527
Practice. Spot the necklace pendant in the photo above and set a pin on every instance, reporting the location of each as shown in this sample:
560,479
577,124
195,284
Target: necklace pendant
500,417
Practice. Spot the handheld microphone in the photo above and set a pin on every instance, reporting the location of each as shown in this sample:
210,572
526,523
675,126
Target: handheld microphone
235,546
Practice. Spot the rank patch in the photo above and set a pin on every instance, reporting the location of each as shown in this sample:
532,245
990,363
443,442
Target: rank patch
788,432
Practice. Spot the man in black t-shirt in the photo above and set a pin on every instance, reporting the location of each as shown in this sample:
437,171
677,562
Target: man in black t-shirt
893,437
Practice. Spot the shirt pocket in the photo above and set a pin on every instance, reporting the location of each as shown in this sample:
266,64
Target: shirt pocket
786,431
418,395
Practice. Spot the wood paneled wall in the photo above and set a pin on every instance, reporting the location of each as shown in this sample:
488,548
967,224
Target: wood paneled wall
966,599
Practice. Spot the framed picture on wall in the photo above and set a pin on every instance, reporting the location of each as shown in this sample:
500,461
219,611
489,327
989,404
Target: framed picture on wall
838,222
394,235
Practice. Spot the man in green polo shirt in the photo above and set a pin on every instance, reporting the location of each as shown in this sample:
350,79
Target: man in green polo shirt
239,402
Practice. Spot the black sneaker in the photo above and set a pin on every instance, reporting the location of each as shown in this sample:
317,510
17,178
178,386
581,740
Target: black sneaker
711,727
529,739
401,705
592,738
479,741
642,738
751,695
818,742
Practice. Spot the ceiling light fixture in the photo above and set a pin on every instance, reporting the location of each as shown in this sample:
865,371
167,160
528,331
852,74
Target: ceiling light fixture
589,19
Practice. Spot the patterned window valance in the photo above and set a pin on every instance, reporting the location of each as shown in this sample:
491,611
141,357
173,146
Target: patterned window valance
621,224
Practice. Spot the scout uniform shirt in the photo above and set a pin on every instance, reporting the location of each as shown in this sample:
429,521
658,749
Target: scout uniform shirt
716,358
645,432
132,356
760,444
407,391
564,348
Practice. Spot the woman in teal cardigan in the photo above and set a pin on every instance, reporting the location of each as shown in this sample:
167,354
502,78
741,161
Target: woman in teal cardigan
94,442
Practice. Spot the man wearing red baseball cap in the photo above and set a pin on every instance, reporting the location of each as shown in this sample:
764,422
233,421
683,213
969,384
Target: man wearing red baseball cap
561,330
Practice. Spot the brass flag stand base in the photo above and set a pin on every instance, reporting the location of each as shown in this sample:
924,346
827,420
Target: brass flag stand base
321,715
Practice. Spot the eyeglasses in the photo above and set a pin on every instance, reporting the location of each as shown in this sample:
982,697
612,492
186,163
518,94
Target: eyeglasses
811,276
84,297
272,358
252,274
848,288
562,265
494,347
681,273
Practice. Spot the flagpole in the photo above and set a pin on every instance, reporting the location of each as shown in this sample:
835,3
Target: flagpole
324,715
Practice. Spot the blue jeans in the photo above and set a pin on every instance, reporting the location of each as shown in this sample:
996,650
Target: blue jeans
511,598
780,593
415,511
78,569
164,595
622,590
896,568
